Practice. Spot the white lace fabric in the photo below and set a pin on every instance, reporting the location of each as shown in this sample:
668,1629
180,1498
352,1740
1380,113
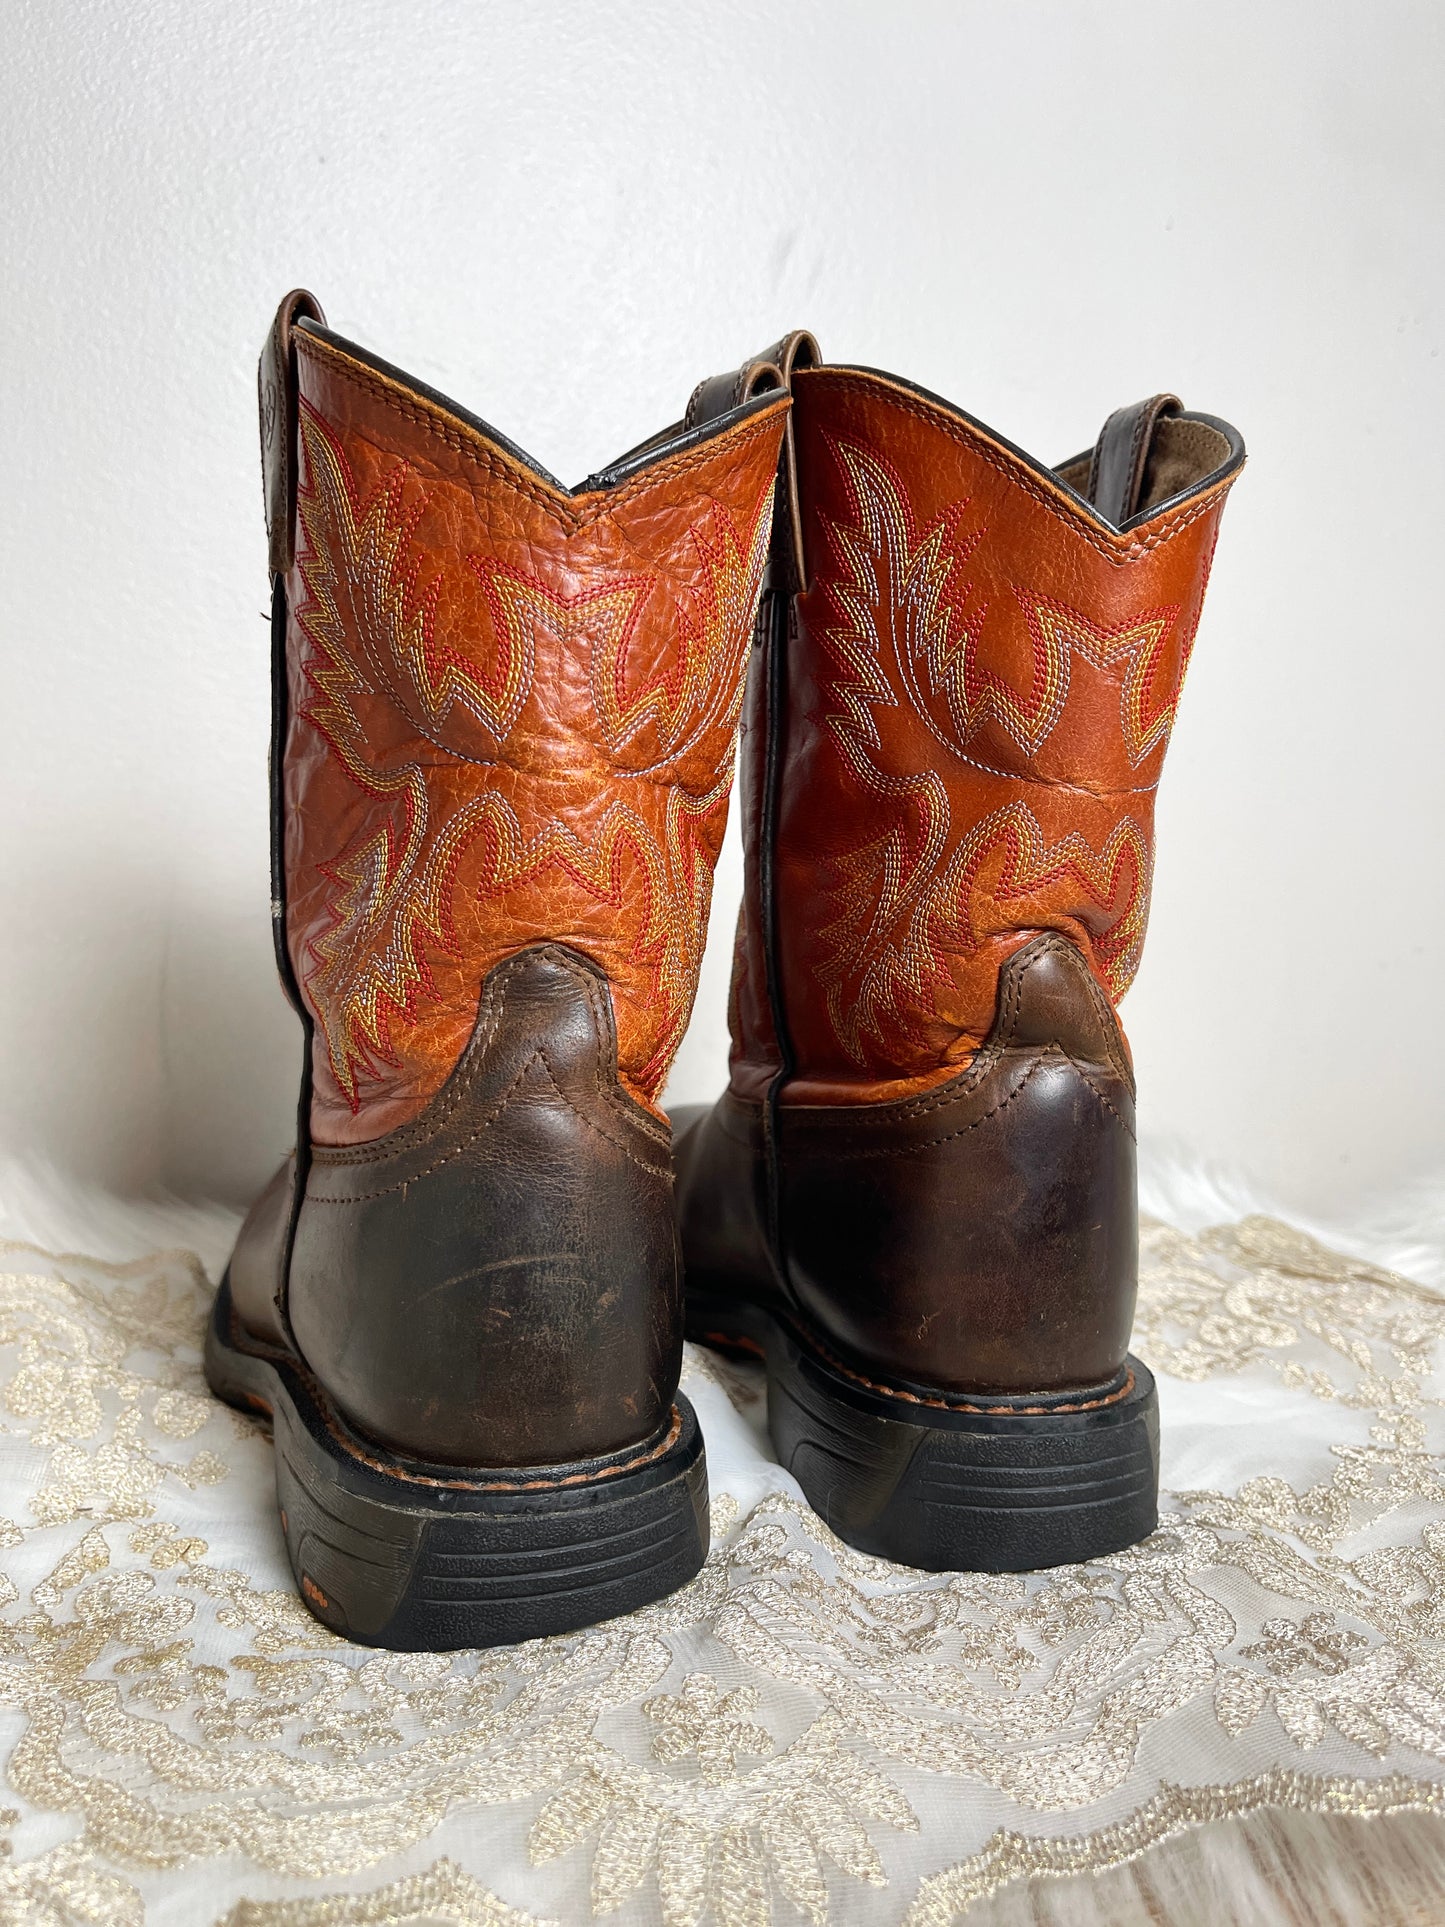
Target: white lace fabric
1255,1696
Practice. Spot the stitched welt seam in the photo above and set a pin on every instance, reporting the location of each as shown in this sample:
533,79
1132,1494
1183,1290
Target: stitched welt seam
351,1446
944,1403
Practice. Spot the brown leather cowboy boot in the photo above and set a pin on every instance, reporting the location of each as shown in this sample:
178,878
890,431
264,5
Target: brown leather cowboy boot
505,715
917,1197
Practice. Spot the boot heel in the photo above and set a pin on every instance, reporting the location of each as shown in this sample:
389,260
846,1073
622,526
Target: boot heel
434,1557
928,1480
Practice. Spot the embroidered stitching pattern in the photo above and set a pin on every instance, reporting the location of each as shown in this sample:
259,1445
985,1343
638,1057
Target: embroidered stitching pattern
906,640
1060,632
373,641
703,689
573,511
1122,550
436,1120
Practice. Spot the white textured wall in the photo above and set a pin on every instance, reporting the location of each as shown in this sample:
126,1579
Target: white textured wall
563,215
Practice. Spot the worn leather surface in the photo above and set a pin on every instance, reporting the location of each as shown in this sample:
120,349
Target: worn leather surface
496,1283
981,680
979,1238
512,713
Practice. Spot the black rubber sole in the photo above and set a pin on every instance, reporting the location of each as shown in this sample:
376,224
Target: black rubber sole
427,1558
932,1480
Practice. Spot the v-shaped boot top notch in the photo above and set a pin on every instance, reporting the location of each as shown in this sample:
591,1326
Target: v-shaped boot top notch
658,449
1150,457
300,325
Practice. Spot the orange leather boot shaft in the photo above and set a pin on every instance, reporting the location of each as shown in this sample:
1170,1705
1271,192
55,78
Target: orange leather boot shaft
512,710
979,685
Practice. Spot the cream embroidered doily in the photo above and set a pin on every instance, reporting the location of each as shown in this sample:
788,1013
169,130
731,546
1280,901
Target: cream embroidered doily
804,1734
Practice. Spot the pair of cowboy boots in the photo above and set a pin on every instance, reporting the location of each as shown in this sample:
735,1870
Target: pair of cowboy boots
506,714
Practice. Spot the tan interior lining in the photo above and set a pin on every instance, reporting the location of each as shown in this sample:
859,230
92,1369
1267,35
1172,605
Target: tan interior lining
1076,474
1181,454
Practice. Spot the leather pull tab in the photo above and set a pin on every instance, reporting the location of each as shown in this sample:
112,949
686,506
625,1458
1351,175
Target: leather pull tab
1116,474
717,395
276,394
773,368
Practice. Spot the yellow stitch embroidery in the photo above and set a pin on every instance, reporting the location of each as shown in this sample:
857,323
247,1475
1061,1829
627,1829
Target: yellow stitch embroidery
371,635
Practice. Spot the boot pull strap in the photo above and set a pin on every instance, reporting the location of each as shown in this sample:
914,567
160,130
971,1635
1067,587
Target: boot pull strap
1116,473
773,368
276,389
